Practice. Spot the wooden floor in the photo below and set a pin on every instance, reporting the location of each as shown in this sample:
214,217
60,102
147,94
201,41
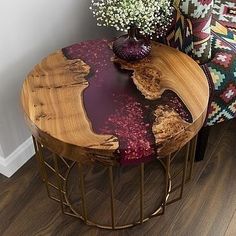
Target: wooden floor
207,208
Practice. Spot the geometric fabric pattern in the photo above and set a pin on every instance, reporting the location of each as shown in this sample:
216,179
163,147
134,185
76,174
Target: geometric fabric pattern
200,14
229,93
217,77
179,34
222,58
225,13
224,32
220,69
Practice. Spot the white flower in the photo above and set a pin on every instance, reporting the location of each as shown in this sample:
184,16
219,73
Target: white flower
150,16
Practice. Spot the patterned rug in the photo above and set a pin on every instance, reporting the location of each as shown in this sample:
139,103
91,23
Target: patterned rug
225,12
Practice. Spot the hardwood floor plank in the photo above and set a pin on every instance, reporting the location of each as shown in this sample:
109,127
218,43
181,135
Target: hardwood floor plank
162,225
212,201
231,230
207,208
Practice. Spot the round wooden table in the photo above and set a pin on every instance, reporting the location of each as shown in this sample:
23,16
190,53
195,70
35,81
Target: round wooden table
87,106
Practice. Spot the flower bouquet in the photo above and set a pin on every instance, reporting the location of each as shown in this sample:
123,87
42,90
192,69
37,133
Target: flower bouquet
140,18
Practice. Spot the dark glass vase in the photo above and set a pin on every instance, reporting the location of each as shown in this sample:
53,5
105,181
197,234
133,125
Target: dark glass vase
132,47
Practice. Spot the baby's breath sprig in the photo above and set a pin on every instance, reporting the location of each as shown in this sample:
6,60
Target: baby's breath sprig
149,16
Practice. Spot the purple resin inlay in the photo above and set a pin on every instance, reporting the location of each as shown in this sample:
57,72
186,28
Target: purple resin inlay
115,106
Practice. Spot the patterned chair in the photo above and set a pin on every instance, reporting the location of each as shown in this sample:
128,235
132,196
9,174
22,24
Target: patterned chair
195,32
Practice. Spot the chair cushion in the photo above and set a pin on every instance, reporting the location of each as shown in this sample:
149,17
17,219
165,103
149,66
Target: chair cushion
200,14
179,34
222,71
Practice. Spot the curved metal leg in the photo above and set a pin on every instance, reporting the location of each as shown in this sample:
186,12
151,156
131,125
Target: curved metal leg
43,167
167,176
141,191
59,184
82,191
183,171
38,158
193,146
112,196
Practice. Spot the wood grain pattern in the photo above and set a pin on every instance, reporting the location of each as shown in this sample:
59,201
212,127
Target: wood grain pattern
231,230
167,69
59,93
52,102
209,199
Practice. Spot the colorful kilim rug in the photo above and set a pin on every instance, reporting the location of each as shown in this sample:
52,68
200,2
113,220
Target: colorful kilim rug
224,11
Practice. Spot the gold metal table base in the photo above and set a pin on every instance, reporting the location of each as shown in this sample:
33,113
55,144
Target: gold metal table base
61,182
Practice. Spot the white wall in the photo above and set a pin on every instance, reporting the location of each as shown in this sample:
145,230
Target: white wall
1,152
29,30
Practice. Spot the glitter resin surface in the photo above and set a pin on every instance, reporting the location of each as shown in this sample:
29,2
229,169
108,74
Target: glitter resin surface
115,106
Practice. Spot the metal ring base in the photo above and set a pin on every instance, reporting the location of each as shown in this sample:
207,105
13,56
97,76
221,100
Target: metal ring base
62,183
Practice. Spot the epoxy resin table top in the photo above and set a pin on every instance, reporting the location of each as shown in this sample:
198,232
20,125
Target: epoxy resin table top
85,104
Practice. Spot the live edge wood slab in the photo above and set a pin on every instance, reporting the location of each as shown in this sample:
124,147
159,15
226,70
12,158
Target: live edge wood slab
85,104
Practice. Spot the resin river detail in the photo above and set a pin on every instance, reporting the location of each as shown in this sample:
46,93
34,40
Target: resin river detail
87,105
116,107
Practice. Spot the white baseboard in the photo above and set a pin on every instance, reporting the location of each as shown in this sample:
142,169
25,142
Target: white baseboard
9,165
